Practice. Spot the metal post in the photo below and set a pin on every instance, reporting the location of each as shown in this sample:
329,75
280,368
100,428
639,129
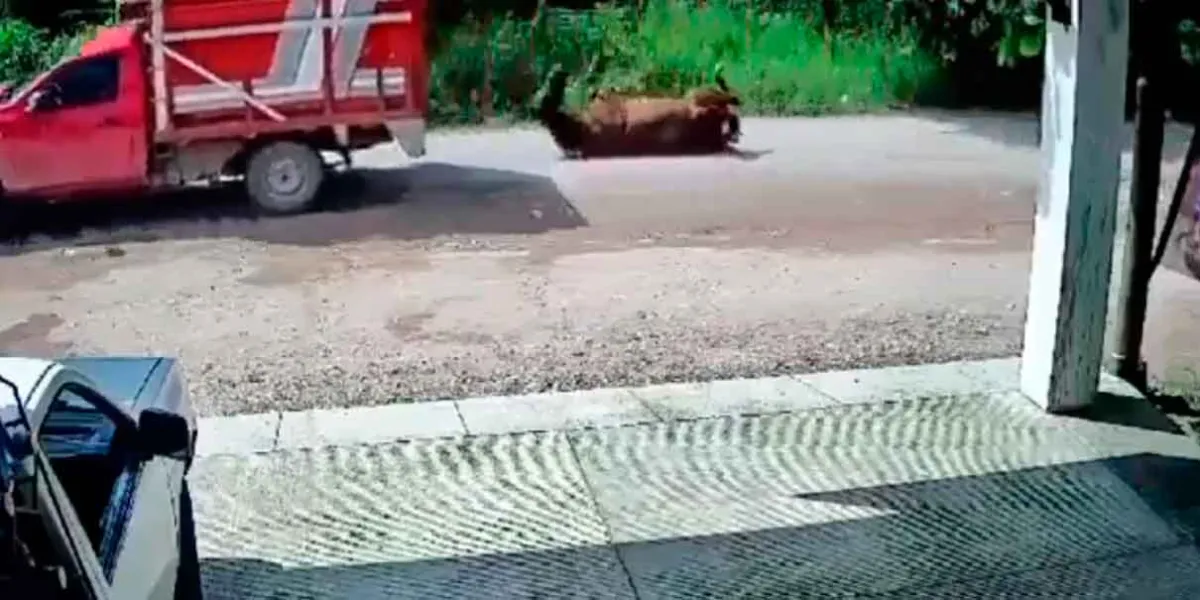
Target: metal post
1151,39
1082,119
1149,125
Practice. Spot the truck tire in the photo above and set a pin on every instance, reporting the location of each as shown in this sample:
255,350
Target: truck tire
188,585
14,221
8,219
284,178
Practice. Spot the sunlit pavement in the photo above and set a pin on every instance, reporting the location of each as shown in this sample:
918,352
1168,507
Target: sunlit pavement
923,482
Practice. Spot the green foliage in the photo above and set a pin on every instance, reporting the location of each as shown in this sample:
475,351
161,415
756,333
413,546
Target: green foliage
26,50
778,61
783,56
1189,36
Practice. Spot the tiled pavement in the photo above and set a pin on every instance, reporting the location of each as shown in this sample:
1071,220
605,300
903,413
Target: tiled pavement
936,481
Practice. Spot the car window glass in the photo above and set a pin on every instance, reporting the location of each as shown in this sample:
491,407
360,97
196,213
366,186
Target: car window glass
84,448
74,426
86,83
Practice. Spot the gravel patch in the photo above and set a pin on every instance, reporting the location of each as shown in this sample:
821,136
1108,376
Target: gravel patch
649,351
260,328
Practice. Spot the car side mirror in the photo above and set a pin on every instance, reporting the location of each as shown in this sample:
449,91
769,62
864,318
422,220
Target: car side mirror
41,100
163,433
6,91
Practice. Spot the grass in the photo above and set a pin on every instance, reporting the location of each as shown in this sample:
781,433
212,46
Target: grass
779,63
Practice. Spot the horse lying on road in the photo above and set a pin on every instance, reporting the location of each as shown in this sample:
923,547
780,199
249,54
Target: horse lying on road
615,124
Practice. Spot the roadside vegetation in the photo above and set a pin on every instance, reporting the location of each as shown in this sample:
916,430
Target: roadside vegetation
781,63
785,57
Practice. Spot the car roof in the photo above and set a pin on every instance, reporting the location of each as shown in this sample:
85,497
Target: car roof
23,373
109,39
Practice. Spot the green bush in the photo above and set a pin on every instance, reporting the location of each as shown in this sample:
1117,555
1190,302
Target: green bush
783,56
778,62
26,51
23,50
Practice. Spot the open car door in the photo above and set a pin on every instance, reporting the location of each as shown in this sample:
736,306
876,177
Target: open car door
122,496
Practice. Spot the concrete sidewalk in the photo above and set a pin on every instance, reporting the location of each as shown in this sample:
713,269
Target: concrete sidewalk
918,482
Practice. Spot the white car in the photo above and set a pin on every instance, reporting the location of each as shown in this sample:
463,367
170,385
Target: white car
94,454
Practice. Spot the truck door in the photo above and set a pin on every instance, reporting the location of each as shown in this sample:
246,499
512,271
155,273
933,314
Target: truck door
122,497
77,132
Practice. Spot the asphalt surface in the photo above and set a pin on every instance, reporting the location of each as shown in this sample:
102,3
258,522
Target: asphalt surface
492,266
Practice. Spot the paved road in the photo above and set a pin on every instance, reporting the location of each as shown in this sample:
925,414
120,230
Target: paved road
492,267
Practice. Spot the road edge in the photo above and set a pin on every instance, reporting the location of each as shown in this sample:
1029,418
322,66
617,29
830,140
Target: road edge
597,408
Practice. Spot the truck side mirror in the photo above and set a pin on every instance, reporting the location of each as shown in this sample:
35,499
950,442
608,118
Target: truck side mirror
41,100
36,101
163,433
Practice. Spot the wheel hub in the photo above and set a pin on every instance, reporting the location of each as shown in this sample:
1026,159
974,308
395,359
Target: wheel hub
285,177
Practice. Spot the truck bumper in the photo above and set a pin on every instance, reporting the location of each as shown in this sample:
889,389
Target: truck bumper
410,135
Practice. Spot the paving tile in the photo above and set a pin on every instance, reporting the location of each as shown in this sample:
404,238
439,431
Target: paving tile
238,434
552,411
858,500
369,425
731,398
446,519
897,383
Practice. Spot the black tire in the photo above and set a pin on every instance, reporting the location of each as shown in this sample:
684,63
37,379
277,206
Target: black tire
284,178
188,585
10,219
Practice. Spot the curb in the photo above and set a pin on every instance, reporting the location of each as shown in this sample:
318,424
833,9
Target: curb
598,408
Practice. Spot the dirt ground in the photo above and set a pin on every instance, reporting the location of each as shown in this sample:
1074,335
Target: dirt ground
491,267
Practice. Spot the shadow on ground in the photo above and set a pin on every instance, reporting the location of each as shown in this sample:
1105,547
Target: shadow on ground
424,201
917,551
1021,130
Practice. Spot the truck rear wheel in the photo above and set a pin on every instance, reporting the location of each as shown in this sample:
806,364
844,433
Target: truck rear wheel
13,220
284,177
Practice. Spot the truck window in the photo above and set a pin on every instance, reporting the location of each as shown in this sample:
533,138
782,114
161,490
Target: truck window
85,448
87,82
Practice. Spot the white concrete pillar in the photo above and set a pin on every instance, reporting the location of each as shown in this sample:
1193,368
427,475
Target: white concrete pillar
1082,117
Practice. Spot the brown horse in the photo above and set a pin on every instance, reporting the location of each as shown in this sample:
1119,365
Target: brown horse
619,125
705,101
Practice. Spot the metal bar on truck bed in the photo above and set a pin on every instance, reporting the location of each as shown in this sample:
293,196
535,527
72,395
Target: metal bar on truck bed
279,26
379,89
248,88
158,63
327,57
213,78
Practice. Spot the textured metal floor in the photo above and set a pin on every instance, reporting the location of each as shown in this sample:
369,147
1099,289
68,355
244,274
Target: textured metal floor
981,497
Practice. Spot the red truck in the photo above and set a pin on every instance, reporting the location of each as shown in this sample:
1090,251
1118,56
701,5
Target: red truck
186,92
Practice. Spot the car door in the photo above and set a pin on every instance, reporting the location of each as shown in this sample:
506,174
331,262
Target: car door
122,497
65,530
75,131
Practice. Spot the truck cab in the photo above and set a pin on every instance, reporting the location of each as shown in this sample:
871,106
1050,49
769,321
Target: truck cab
81,127
93,460
197,92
